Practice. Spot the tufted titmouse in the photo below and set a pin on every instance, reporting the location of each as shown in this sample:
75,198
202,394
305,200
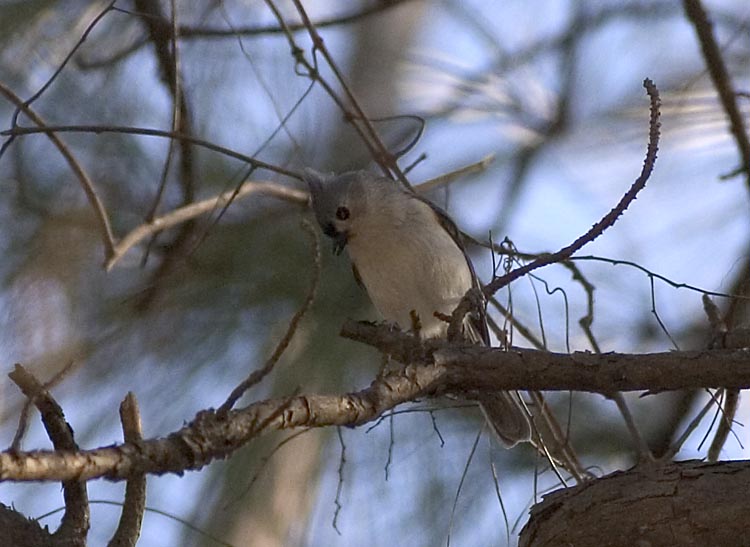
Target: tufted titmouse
408,255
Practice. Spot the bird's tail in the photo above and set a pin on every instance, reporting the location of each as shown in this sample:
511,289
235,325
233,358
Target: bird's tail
506,416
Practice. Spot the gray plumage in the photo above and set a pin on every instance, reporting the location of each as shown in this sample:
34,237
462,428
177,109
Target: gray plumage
408,255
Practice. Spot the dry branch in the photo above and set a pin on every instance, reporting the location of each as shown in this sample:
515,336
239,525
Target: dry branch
75,521
436,368
722,81
86,183
607,221
193,210
129,527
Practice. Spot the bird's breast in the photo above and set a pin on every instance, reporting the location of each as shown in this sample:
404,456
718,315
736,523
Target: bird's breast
409,269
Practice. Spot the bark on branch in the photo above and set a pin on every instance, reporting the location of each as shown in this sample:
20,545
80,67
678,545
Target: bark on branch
685,503
434,368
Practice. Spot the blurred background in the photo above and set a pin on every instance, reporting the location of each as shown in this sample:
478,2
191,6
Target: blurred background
551,89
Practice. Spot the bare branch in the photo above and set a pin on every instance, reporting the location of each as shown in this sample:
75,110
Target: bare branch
595,231
60,68
381,155
722,81
198,208
75,522
164,35
86,183
610,218
437,368
129,528
257,376
190,32
150,132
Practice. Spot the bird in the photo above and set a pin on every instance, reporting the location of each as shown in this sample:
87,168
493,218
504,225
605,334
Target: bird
408,255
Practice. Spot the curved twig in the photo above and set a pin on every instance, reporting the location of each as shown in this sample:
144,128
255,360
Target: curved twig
150,132
595,231
257,375
86,183
198,208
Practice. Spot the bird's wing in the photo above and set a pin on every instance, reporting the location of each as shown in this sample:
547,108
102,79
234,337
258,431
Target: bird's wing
475,323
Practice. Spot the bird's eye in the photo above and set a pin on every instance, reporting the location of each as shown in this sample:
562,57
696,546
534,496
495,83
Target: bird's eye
342,213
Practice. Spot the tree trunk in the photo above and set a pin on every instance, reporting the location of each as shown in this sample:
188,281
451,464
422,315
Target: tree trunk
686,503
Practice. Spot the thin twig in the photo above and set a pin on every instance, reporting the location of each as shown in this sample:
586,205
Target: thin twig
165,39
464,473
436,429
60,68
150,132
496,482
382,156
257,376
340,484
190,32
391,444
656,315
595,231
587,320
86,183
721,79
694,423
198,208
649,273
562,453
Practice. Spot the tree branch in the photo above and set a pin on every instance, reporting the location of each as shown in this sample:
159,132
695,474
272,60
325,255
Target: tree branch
435,368
607,221
206,33
129,527
722,81
193,210
86,183
75,521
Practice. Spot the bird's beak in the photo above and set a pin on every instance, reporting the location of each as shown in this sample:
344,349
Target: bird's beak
339,242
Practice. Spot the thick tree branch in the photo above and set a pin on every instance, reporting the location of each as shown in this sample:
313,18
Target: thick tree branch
435,368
